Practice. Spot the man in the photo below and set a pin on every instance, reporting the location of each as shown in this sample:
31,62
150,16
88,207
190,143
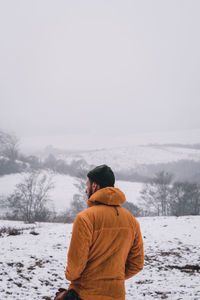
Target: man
106,244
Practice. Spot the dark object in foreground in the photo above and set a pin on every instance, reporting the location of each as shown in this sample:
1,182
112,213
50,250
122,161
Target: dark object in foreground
186,268
71,295
64,294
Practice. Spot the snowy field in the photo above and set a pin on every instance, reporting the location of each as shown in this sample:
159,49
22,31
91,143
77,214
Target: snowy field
64,189
32,263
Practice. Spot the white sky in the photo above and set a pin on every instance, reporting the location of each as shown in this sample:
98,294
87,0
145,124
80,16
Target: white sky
99,67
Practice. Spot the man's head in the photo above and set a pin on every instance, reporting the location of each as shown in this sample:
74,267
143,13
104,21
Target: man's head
98,178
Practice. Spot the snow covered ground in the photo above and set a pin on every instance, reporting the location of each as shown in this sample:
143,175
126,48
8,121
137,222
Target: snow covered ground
32,264
64,189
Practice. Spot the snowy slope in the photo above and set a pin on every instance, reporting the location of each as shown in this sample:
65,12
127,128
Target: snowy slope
64,189
131,190
61,195
125,158
32,266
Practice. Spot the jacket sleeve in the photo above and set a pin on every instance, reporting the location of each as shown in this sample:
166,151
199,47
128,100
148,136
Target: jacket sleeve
135,259
79,248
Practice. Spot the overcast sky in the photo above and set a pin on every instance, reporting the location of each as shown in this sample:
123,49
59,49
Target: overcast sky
99,67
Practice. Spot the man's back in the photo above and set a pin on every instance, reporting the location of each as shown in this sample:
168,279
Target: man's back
106,247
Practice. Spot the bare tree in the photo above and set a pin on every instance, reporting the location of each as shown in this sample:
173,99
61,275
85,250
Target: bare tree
8,145
29,200
185,199
79,201
155,195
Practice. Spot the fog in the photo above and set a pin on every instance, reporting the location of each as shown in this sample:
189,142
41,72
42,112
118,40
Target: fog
92,72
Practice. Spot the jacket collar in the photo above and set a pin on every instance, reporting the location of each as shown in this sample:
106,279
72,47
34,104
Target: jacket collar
108,196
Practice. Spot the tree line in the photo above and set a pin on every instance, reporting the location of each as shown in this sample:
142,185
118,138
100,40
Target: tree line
13,161
161,195
165,197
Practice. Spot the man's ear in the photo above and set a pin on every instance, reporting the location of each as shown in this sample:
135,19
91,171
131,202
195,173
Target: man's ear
95,187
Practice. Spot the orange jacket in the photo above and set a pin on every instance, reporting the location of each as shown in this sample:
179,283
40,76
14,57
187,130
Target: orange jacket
106,247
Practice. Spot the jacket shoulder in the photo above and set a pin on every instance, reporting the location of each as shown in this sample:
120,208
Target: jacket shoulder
128,213
130,217
85,215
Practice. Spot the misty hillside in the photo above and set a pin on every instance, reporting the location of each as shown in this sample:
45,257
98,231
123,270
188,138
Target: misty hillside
126,158
138,163
65,187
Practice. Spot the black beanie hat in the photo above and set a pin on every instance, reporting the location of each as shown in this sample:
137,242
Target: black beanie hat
102,175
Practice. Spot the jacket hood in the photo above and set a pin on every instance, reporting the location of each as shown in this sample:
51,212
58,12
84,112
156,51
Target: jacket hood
107,196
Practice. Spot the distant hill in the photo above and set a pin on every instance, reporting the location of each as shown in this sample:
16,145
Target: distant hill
126,158
139,163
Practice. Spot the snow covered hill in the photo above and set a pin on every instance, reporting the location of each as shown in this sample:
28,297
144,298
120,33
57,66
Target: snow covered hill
64,189
33,262
132,157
